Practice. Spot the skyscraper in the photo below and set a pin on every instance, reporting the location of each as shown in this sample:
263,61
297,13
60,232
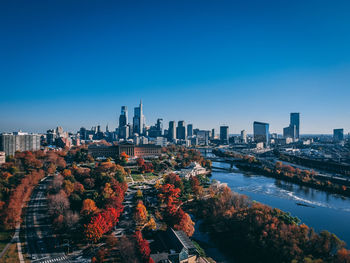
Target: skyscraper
244,136
295,120
138,120
123,118
261,132
181,130
159,126
212,134
338,135
203,137
189,130
171,131
224,134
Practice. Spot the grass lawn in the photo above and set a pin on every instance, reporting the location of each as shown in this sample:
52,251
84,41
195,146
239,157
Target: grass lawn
5,237
128,179
150,176
11,255
137,177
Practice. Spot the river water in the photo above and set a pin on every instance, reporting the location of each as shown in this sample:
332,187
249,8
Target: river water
317,209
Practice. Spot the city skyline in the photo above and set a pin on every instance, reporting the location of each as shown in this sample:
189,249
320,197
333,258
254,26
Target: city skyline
207,65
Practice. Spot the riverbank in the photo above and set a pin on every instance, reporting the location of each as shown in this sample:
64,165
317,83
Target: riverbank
309,180
252,232
287,172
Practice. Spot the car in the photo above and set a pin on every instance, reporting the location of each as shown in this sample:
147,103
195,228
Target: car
34,257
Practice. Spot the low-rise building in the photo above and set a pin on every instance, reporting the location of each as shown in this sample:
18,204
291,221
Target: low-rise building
193,169
147,150
173,246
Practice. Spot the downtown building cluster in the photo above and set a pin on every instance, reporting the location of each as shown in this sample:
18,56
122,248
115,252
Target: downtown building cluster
133,132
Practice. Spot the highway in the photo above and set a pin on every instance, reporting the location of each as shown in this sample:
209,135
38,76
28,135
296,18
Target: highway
41,245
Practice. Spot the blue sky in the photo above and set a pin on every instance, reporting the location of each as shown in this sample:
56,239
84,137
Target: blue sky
75,63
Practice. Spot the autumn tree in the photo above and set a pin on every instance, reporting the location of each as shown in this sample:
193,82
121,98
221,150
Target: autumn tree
89,207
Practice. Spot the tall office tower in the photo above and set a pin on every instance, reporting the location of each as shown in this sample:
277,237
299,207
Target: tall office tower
244,136
139,119
123,130
338,135
19,141
261,132
159,126
203,137
181,130
224,134
290,132
123,118
295,120
83,133
50,136
212,134
59,131
189,130
171,131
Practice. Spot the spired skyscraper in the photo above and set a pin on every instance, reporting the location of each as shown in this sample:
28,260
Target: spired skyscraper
138,120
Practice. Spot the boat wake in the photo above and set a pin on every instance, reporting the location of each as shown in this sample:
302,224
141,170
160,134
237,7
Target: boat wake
271,190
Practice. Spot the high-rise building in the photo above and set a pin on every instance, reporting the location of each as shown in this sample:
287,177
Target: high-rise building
338,135
224,136
212,134
243,136
203,137
50,136
139,119
19,141
172,131
290,132
123,118
261,132
295,120
189,130
181,130
159,126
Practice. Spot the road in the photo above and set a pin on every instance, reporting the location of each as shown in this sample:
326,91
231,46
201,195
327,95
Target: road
41,244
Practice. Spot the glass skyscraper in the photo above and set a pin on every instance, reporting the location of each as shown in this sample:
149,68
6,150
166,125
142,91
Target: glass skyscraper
261,132
295,120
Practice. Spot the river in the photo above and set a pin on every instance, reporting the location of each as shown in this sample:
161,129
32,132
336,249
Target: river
317,209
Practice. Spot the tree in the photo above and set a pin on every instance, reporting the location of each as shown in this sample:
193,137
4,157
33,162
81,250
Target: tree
58,203
124,158
89,207
140,162
143,246
185,222
102,223
140,213
195,186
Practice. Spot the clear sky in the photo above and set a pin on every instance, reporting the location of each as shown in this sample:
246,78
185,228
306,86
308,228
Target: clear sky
75,63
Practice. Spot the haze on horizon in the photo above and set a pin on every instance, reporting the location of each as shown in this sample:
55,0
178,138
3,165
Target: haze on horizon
74,64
